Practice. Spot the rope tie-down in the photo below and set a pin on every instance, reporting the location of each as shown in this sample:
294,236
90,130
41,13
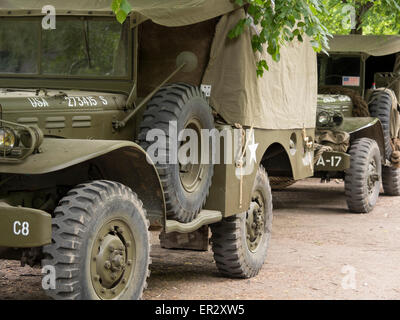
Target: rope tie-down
239,160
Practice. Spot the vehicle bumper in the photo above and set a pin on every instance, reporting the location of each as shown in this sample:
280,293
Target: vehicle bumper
332,161
24,227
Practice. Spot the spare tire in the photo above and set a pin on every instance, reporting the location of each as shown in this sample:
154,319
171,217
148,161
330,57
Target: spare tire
380,106
185,187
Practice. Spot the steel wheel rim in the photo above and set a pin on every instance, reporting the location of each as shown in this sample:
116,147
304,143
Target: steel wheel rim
373,177
191,174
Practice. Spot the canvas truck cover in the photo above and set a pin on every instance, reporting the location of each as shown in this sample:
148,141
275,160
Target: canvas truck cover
171,13
372,45
284,98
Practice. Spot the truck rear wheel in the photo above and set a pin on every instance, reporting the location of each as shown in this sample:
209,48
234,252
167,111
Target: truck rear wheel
100,246
185,187
391,181
380,107
363,178
240,242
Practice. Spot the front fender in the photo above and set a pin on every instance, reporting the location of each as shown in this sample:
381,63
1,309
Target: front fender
365,127
120,161
354,124
58,154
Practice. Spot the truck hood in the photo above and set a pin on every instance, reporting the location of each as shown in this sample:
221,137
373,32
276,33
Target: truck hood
63,114
54,110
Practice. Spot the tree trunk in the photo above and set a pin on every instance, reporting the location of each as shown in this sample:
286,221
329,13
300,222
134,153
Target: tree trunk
361,10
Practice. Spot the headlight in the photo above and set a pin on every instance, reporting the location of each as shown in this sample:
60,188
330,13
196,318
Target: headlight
329,119
8,140
323,119
17,141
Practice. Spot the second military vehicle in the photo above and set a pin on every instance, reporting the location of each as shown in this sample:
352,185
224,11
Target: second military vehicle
358,127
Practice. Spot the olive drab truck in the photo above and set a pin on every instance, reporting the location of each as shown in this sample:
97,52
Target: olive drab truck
93,117
358,125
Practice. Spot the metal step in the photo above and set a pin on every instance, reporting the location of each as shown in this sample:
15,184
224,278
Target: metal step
205,217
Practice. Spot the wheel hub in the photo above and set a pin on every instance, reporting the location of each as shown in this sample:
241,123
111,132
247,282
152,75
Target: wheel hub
112,259
255,222
373,177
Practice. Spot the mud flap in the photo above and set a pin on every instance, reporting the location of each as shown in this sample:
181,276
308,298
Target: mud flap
197,240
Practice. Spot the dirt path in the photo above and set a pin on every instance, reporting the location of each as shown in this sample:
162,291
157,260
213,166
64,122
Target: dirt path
318,251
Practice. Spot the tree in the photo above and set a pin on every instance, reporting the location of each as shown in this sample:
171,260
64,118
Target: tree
282,21
362,16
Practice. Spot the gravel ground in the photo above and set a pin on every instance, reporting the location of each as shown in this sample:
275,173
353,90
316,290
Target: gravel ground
317,251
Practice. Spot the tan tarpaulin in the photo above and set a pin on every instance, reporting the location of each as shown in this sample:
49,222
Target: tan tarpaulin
165,12
372,45
286,96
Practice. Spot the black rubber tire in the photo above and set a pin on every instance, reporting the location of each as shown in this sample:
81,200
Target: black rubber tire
180,103
391,181
78,217
362,151
380,106
229,243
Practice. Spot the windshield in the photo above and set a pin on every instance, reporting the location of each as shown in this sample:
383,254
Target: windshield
339,70
77,47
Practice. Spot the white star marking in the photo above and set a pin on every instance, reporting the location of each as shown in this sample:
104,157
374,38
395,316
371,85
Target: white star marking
253,148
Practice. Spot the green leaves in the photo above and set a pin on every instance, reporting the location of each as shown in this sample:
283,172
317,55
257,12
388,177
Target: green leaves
121,8
283,21
377,17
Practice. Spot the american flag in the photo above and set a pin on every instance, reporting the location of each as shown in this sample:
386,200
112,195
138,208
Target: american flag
351,81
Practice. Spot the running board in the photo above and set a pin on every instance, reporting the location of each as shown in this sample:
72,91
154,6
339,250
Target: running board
205,217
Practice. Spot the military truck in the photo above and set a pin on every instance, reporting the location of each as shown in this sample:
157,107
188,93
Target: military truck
82,107
358,117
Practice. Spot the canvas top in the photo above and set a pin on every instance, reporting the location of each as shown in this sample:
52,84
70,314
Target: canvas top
171,13
284,98
372,45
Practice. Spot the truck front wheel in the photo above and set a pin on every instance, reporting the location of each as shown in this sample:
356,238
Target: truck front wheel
363,178
100,246
240,242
